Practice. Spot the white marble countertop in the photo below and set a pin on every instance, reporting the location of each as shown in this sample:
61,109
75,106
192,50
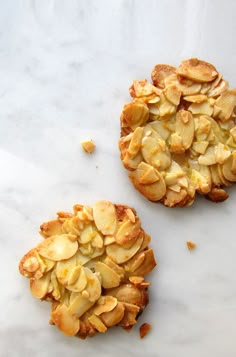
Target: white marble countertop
65,69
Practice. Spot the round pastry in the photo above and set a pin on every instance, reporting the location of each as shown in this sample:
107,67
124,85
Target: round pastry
91,267
178,135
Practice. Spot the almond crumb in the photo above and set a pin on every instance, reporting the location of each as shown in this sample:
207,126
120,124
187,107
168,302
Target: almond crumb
191,245
144,329
88,146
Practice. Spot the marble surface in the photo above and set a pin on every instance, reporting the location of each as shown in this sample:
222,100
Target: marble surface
65,69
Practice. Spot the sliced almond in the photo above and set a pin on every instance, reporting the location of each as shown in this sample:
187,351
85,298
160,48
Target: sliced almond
51,228
185,127
147,174
141,88
120,254
128,232
229,168
79,305
222,153
63,269
130,315
113,317
201,108
209,158
110,279
105,217
160,72
155,152
219,89
173,94
105,304
200,146
97,323
144,263
93,286
136,141
58,247
198,98
39,287
153,192
197,70
65,321
78,280
226,102
134,114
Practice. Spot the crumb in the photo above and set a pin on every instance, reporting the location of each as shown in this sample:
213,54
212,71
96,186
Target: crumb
191,245
144,329
88,146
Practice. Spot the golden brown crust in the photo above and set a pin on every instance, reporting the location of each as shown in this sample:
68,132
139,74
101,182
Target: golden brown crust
178,136
92,268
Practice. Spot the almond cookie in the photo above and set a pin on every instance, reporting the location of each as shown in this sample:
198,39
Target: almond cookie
91,267
178,135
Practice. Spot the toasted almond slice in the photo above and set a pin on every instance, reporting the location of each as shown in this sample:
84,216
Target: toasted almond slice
105,217
118,269
155,152
131,312
135,294
80,280
105,304
88,146
147,265
185,127
110,279
130,215
173,199
176,144
153,192
120,254
197,70
134,263
97,241
63,269
200,182
209,158
147,174
109,240
81,259
201,108
185,87
226,102
58,247
229,168
142,88
79,305
93,286
51,228
128,232
161,128
200,146
222,178
198,98
113,317
87,234
160,72
222,153
136,280
65,321
136,141
39,287
134,114
175,188
74,274
97,323
131,162
219,89
173,94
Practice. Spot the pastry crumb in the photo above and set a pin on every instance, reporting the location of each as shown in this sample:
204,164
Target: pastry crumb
144,329
191,245
88,146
